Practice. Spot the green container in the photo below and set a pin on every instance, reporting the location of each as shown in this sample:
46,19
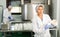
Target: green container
0,34
19,34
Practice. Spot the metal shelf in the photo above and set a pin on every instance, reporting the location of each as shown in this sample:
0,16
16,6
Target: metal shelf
16,31
54,34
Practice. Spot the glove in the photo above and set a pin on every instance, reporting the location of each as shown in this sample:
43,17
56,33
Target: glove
10,18
48,26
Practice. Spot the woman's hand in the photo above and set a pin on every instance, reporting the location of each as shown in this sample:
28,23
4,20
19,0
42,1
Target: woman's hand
54,22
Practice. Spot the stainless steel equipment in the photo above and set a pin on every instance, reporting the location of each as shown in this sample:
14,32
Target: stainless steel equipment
27,11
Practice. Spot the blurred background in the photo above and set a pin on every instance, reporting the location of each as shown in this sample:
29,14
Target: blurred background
23,10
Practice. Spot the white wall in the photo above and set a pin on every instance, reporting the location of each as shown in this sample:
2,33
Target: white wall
58,14
56,11
3,3
54,8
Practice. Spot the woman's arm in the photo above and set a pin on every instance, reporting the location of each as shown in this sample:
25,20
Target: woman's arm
51,23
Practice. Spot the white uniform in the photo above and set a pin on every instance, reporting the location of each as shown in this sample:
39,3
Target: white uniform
6,14
39,26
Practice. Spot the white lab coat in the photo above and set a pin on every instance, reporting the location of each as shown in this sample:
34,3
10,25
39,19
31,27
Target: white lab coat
38,26
6,14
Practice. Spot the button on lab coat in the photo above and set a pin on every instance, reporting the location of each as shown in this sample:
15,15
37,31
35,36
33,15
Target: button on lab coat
39,26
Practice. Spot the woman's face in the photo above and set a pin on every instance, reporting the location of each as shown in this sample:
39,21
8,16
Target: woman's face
40,10
9,8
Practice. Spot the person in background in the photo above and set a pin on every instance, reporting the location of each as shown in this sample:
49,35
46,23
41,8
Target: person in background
41,23
7,14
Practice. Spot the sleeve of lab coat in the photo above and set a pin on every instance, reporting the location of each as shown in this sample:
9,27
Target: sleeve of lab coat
5,14
48,18
48,25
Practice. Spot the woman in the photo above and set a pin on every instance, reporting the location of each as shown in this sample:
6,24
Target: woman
7,15
41,23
